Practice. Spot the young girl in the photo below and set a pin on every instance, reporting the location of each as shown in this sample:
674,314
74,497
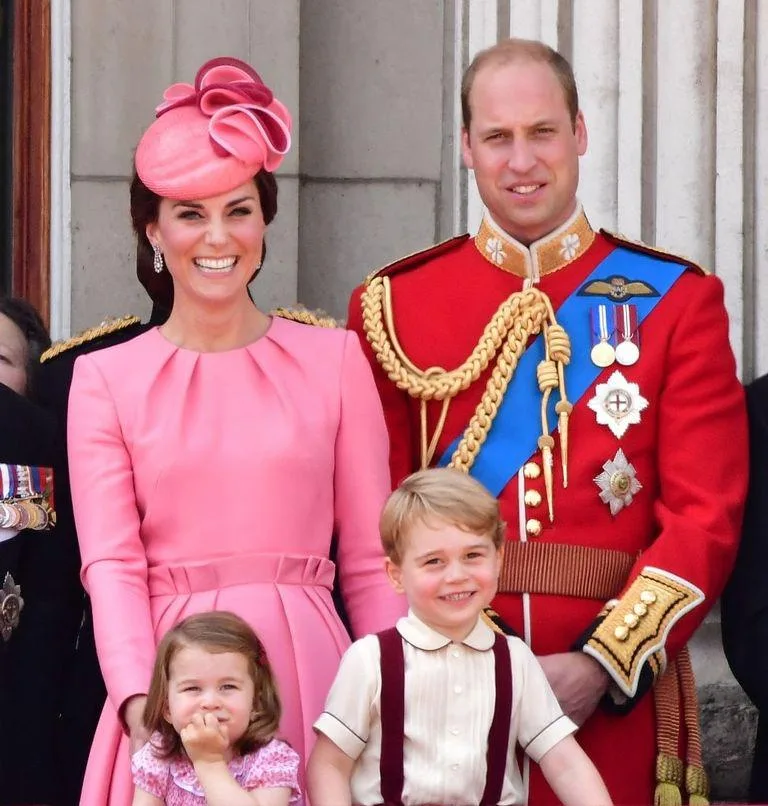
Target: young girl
212,711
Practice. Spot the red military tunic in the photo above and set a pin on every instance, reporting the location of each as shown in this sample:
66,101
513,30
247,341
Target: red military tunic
688,451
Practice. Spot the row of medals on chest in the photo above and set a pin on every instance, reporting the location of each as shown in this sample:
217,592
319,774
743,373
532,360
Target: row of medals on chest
617,405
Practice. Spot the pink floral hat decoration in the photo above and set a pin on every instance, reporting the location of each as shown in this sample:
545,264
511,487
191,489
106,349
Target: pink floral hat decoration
212,137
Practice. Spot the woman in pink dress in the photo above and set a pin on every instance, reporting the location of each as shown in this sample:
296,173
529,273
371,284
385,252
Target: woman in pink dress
214,458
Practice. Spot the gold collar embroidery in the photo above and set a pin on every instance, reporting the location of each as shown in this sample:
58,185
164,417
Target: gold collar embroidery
546,255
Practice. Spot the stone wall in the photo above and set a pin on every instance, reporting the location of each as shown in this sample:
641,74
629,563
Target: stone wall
728,719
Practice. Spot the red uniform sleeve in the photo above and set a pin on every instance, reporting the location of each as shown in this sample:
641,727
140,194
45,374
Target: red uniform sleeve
702,478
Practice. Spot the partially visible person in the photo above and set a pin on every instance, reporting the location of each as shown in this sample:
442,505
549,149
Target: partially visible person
589,383
23,339
215,459
212,711
83,693
744,606
434,710
34,628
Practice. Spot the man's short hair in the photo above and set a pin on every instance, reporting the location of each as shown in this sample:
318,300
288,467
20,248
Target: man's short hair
520,50
434,496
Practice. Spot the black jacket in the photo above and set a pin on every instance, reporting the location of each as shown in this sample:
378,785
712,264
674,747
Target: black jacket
745,600
57,671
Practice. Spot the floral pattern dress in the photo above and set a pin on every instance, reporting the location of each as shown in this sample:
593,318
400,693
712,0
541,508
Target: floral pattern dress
175,782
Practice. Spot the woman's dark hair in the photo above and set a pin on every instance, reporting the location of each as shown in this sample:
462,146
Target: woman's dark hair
145,207
29,322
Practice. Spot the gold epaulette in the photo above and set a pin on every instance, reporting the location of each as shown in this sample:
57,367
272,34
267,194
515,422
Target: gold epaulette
306,317
417,258
654,251
495,621
106,327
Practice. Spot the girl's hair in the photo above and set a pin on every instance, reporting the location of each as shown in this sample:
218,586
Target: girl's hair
435,495
29,322
215,632
145,208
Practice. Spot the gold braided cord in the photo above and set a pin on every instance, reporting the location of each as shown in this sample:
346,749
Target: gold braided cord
696,780
669,767
305,316
104,329
522,315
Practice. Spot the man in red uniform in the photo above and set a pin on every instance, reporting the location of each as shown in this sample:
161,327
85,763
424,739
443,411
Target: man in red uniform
589,383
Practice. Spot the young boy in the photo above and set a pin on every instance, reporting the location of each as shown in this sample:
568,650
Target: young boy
432,712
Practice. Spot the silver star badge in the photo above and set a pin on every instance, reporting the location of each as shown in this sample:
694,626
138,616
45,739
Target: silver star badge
617,404
11,604
618,483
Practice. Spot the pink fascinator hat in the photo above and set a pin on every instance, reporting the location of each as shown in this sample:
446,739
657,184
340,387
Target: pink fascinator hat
214,136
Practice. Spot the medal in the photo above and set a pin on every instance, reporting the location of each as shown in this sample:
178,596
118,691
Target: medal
627,351
11,605
617,404
618,483
602,353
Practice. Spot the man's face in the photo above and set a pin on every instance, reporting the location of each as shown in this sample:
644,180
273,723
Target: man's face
523,148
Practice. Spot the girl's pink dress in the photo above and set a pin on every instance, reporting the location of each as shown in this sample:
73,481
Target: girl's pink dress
175,782
223,481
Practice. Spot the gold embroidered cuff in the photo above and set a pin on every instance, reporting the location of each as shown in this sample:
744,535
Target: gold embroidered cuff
633,632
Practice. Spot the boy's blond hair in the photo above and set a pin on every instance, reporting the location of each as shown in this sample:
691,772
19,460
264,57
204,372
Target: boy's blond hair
434,495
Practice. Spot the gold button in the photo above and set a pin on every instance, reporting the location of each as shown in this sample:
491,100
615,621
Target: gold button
648,597
532,498
533,527
631,620
531,470
621,632
620,483
640,609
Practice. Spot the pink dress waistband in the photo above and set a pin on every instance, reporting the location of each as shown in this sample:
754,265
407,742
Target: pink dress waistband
285,569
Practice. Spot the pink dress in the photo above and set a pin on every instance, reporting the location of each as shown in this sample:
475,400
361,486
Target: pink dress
215,481
174,780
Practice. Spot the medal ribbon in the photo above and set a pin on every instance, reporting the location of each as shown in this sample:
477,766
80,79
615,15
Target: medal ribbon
513,439
626,322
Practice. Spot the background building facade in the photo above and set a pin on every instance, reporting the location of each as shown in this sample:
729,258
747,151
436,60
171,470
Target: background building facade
674,94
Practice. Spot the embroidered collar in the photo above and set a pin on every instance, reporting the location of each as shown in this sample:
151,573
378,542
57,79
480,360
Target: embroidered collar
420,635
546,255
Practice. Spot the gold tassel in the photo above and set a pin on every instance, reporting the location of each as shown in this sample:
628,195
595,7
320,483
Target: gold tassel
697,785
563,409
545,444
667,794
669,774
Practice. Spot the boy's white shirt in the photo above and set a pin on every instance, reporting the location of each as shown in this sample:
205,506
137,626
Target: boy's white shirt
450,696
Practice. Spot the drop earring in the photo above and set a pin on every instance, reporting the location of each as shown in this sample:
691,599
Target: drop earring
157,260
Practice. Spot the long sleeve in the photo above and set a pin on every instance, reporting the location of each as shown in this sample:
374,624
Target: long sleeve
361,484
402,435
702,477
114,566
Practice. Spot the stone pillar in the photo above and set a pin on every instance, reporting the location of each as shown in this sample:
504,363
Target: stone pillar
371,139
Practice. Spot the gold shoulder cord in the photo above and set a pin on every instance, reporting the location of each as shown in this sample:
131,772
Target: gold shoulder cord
105,328
305,316
504,339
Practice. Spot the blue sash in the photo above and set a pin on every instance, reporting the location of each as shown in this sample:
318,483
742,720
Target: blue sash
514,435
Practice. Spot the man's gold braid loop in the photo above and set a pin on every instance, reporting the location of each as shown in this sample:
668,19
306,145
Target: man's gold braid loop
529,323
425,384
520,316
